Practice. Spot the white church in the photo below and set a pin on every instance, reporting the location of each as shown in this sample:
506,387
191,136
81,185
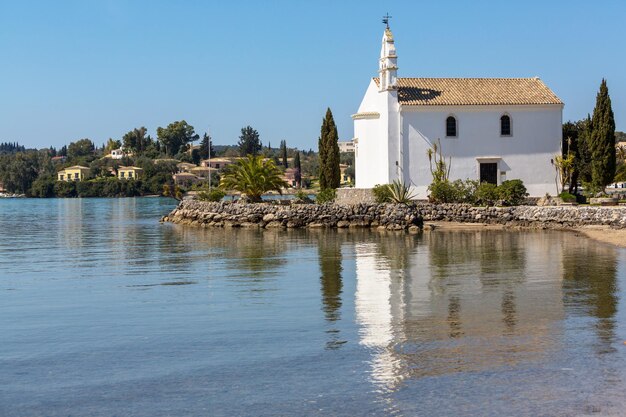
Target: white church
492,129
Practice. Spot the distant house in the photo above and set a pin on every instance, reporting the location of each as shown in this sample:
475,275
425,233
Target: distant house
118,153
344,178
129,173
58,158
165,160
290,177
347,146
217,163
202,172
185,166
186,179
74,173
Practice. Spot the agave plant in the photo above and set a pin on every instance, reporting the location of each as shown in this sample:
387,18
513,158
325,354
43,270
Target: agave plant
400,192
253,176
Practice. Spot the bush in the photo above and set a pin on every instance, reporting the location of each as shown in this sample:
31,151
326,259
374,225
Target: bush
487,194
400,192
512,192
382,193
326,195
302,197
465,191
442,192
213,195
567,197
65,189
43,187
458,191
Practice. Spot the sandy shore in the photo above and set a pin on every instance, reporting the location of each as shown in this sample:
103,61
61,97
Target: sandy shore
603,234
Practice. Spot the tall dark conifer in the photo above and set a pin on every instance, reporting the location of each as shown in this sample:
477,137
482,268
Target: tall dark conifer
602,143
298,168
283,152
329,153
206,146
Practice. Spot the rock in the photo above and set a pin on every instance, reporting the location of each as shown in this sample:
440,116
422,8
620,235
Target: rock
343,224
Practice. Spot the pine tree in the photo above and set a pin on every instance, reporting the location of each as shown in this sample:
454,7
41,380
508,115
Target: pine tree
298,168
329,153
602,143
283,152
205,145
249,142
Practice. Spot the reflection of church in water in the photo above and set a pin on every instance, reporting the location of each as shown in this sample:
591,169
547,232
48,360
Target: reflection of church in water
457,301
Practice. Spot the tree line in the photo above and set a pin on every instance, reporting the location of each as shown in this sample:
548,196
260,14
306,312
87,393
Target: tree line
34,172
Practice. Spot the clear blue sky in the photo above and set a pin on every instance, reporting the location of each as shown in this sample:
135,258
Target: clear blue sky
96,69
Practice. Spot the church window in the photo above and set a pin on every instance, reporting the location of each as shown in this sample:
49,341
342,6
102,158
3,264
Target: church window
451,127
505,125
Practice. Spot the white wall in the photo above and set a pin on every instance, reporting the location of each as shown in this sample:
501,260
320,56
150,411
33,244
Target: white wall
526,155
372,149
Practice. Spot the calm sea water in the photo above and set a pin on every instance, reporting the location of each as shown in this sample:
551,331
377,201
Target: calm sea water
106,312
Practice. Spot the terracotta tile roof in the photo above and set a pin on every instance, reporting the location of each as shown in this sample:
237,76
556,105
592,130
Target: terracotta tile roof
473,91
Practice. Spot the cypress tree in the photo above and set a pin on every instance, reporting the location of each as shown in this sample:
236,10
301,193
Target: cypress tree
329,153
297,166
602,140
284,153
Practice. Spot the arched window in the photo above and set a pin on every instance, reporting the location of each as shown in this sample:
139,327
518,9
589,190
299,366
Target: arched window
451,127
505,125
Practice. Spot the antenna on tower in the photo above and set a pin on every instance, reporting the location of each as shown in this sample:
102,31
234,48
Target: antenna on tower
386,20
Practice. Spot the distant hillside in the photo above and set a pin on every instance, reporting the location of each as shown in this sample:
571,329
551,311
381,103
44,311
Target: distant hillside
620,136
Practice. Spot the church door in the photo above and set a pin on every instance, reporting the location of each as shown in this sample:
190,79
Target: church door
489,172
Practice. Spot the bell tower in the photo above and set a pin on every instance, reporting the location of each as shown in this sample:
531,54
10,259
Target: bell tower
388,63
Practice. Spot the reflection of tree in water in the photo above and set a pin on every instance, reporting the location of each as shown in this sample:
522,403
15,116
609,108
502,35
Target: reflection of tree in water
500,254
590,286
454,317
509,311
330,268
329,255
250,256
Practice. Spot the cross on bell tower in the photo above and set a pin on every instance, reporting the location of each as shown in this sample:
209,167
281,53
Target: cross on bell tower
388,62
386,20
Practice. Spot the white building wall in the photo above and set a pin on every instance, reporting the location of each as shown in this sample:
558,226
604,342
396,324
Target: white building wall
371,140
526,155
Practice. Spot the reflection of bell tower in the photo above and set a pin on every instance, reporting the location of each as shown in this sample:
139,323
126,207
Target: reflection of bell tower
388,63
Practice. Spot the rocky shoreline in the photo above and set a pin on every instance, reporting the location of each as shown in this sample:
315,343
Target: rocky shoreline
388,216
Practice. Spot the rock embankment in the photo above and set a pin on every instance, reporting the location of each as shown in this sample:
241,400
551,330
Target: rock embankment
227,214
388,216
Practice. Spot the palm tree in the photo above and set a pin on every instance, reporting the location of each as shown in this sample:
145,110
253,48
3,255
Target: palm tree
253,176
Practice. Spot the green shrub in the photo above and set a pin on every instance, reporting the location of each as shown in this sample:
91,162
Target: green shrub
302,197
382,193
458,191
326,195
65,189
213,195
487,194
442,192
400,192
43,187
567,197
512,192
465,191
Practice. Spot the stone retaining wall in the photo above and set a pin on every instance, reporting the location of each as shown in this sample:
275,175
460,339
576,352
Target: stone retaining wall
350,196
388,216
